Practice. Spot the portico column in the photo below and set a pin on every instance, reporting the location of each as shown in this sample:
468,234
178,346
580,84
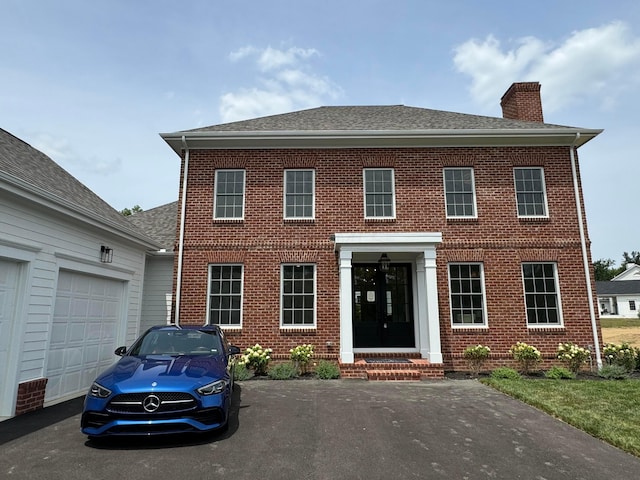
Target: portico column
346,315
434,353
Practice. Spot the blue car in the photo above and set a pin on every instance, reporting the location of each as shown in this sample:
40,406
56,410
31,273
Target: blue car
172,380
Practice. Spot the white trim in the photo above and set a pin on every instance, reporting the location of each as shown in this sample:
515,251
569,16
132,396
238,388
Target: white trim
556,280
393,194
233,326
473,193
485,322
299,326
215,193
544,192
313,194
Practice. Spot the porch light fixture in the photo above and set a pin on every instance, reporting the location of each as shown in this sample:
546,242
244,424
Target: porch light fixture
384,263
106,254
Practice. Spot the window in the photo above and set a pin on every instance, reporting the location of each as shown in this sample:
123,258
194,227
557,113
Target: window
541,294
298,295
459,192
467,294
225,295
530,192
229,194
379,193
298,194
632,305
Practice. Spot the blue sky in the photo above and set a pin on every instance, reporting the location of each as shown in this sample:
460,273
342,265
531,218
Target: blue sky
93,83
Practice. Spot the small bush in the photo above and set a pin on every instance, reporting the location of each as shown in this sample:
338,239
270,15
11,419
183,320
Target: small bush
256,358
301,356
559,373
613,372
623,355
527,356
573,356
505,372
241,372
283,371
326,370
476,356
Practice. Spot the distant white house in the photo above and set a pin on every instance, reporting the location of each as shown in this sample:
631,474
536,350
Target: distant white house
620,297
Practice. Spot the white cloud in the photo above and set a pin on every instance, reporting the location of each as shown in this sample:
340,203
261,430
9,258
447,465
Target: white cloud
286,81
595,63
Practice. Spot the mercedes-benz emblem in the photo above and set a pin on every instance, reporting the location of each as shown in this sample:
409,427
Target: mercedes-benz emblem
151,403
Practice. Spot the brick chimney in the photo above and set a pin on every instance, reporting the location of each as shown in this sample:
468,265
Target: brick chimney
522,102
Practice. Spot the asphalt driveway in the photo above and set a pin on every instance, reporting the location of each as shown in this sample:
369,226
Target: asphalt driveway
344,429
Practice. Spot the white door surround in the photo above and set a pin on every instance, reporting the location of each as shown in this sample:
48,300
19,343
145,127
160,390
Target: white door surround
420,247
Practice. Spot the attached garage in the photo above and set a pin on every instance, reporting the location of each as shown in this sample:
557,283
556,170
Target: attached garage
8,303
89,314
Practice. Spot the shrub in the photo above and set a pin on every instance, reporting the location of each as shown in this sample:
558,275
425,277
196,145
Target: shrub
622,355
572,356
326,370
241,372
527,356
559,373
476,356
613,372
256,358
505,372
301,356
283,371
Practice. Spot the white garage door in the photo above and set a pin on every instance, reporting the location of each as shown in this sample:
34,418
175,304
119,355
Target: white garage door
87,316
8,293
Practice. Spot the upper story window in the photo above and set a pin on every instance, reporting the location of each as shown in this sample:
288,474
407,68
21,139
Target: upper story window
467,294
225,295
299,190
541,294
459,192
379,193
298,296
229,195
530,192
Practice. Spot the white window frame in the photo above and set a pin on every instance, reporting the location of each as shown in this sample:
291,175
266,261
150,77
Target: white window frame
294,326
393,194
210,294
484,323
313,194
473,192
556,280
215,192
544,192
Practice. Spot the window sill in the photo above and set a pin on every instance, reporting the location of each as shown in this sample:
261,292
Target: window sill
380,220
229,330
228,220
550,329
298,330
462,219
299,220
534,219
469,329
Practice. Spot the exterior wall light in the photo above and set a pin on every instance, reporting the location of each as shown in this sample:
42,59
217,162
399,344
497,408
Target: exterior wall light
106,254
384,263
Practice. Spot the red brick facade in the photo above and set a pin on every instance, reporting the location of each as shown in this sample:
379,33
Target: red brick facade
497,238
31,395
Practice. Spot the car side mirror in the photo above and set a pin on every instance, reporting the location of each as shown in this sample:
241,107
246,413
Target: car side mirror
233,350
120,351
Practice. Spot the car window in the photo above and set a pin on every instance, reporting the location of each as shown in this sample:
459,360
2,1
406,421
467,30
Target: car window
178,342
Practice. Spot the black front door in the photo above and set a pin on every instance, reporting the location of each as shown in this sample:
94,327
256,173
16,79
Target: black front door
382,306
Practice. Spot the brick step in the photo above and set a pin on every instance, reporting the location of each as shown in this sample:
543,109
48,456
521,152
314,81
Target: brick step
416,369
406,375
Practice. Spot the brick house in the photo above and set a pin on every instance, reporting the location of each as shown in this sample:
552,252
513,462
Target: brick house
387,231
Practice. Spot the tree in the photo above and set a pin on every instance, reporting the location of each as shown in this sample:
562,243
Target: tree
130,211
604,269
633,257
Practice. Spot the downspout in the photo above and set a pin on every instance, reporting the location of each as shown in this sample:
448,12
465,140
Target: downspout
183,209
585,255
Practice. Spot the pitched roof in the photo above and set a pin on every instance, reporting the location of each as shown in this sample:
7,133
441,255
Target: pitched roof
381,117
158,223
29,169
628,287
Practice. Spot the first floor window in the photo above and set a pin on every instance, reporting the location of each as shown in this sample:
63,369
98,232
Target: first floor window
298,295
225,295
632,305
467,294
541,294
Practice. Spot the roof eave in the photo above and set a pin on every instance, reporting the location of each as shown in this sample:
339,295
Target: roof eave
215,140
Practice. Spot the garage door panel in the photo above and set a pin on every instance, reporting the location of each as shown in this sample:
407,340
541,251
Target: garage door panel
84,333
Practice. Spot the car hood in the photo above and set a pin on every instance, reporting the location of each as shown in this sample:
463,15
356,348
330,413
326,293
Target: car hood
163,372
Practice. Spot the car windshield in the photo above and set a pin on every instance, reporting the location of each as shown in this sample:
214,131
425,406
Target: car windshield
178,342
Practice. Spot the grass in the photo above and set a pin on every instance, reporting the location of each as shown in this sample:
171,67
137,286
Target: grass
619,322
607,410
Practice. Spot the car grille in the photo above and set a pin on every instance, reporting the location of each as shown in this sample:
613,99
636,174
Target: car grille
167,402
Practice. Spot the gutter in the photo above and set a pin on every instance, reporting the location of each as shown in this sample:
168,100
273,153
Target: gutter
183,208
585,253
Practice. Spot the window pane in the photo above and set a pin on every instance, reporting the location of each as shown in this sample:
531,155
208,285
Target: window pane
298,295
459,192
467,297
530,191
541,296
229,192
299,194
378,193
225,294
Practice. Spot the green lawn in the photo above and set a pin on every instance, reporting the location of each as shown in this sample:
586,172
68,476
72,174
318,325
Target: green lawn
607,409
619,322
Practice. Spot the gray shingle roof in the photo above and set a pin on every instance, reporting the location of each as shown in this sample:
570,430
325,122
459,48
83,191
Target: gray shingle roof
159,223
19,160
622,287
371,118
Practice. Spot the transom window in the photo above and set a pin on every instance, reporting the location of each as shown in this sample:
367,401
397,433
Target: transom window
298,296
459,191
299,194
229,194
467,294
541,294
225,295
530,192
379,195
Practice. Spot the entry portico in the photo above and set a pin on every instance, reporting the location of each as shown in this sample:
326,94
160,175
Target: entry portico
417,249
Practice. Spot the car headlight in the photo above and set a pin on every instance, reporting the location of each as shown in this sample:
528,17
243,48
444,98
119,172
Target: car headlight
99,391
213,388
